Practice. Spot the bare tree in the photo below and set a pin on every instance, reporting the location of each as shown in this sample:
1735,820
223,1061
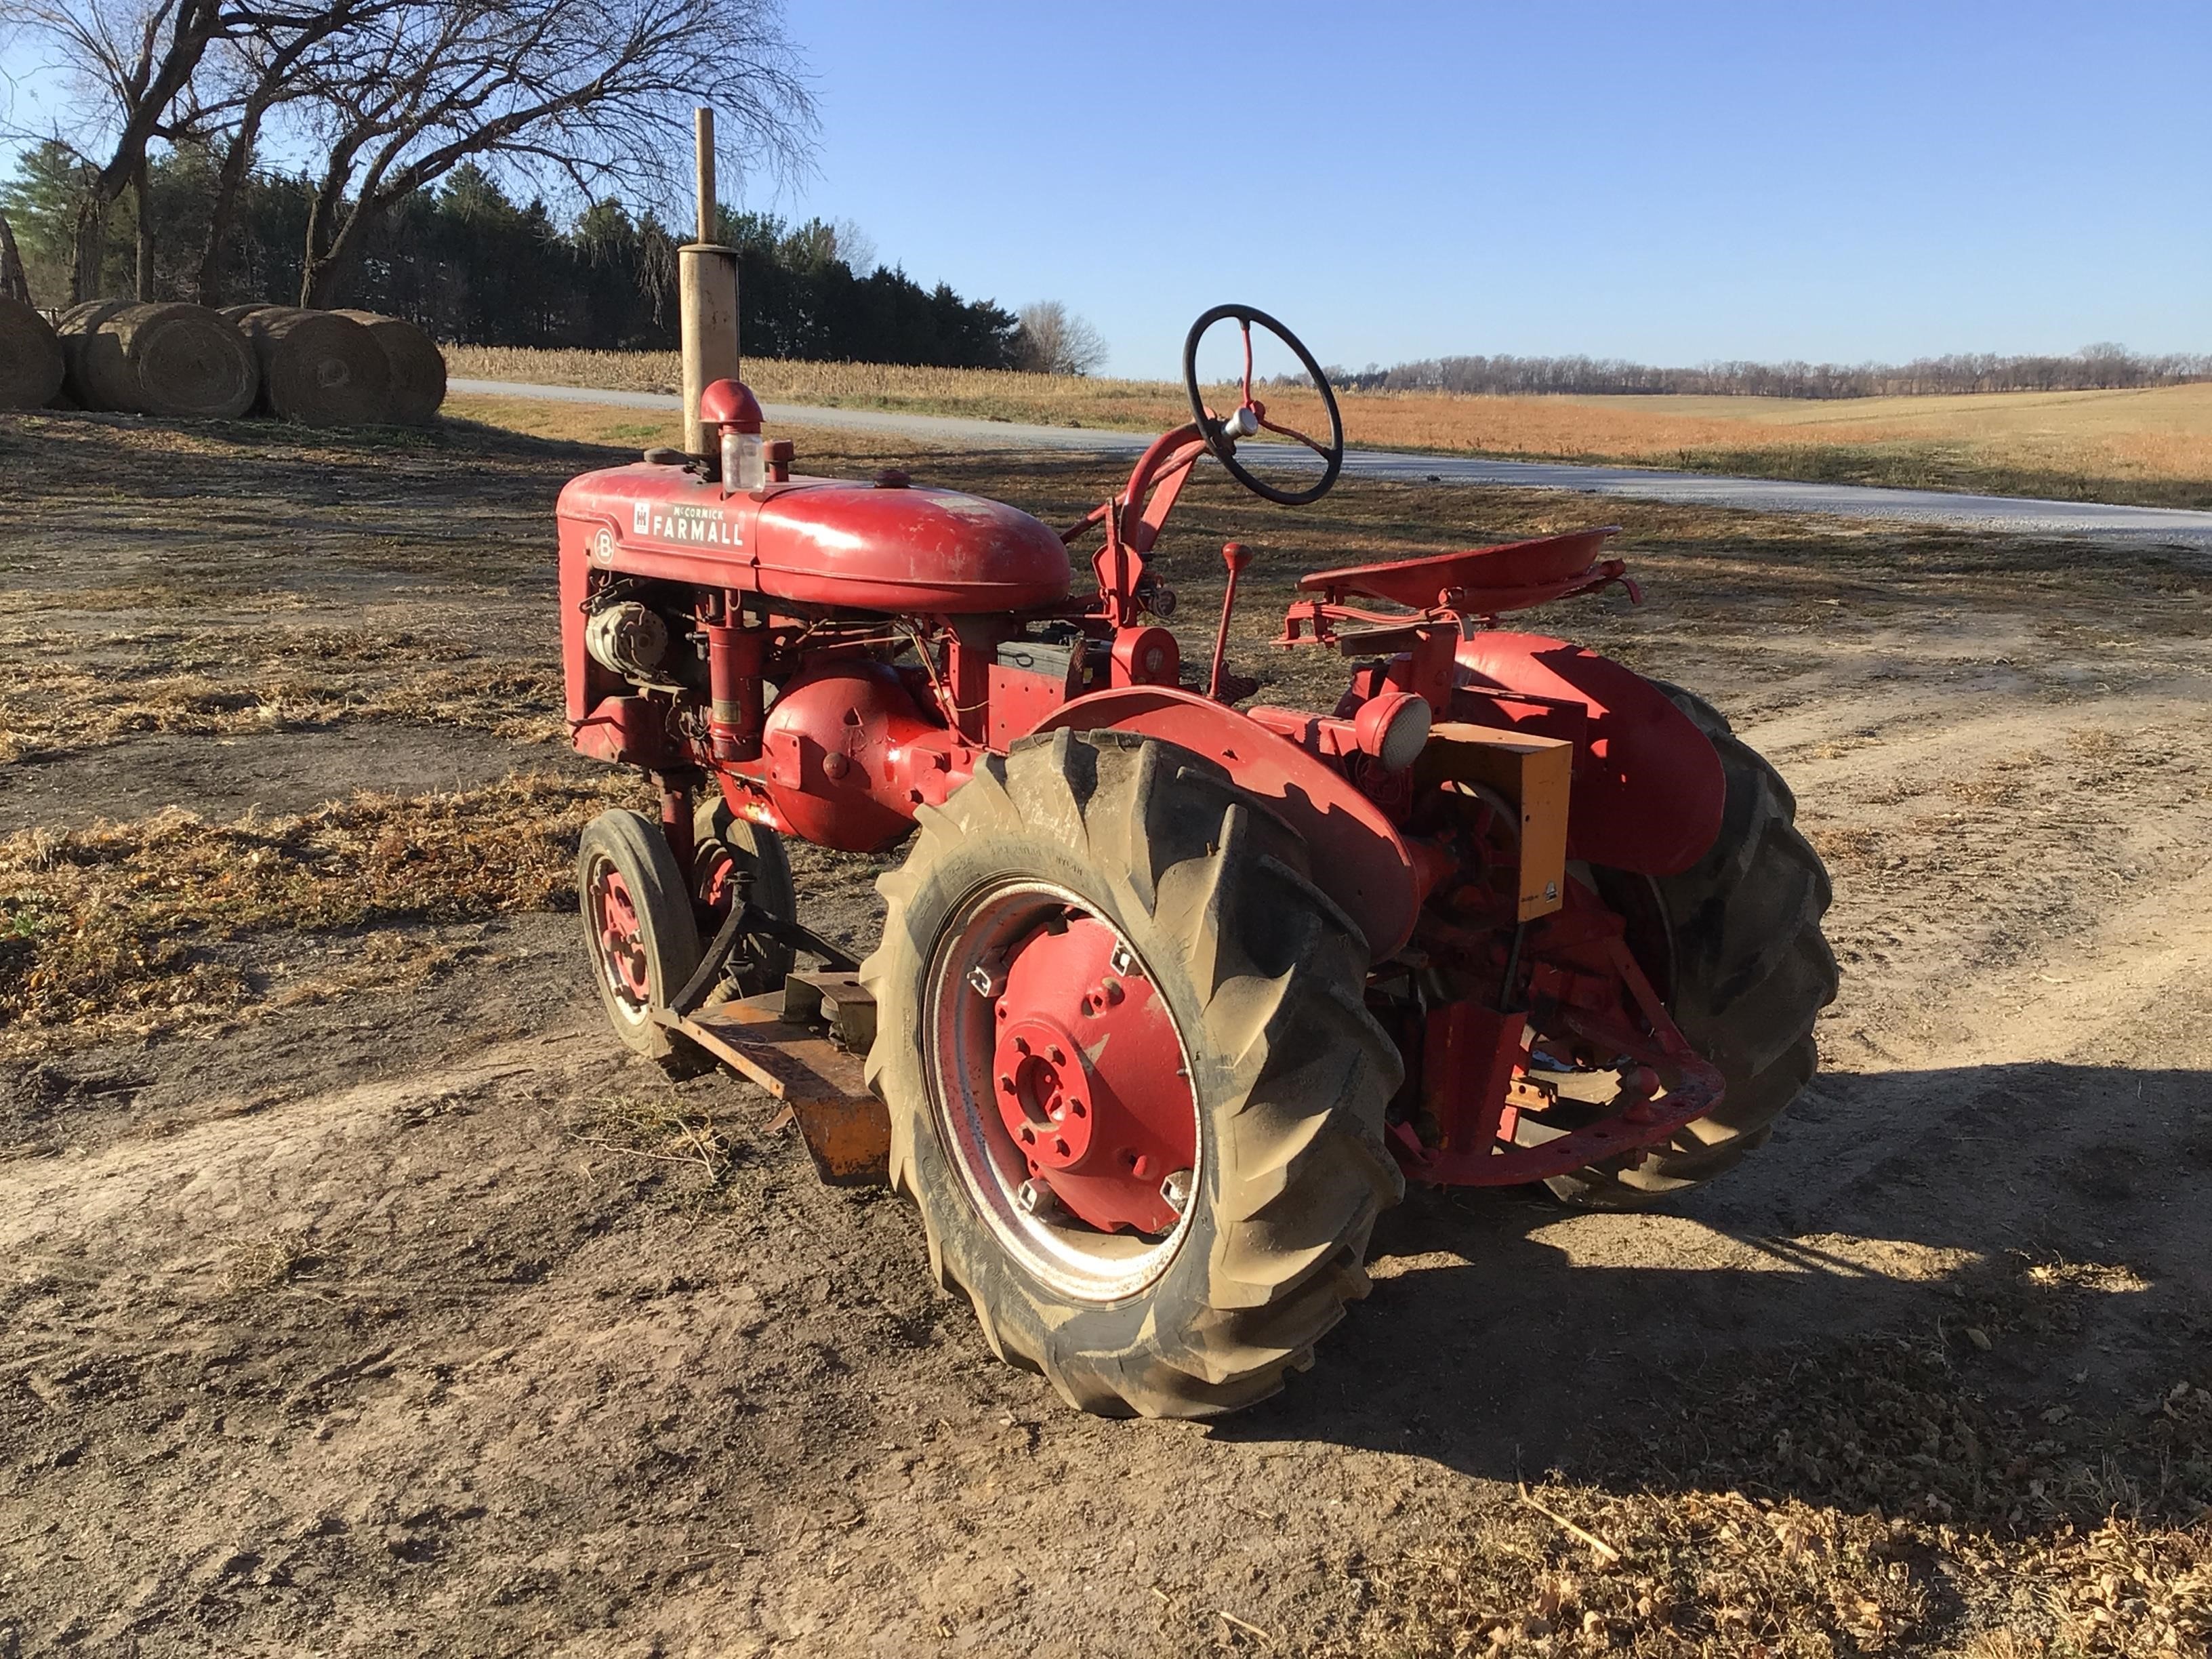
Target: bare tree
394,93
134,57
14,283
855,248
587,91
1051,341
253,70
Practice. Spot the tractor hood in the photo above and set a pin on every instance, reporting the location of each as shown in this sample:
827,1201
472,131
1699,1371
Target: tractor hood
881,546
892,546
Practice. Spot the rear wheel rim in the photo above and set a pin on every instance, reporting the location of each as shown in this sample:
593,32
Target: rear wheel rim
1055,1065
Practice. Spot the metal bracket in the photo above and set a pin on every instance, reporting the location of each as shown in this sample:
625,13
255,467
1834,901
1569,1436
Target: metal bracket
749,918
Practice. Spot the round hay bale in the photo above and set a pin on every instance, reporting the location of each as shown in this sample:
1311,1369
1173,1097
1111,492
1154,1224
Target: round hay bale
319,367
98,377
418,367
71,313
170,360
188,361
31,362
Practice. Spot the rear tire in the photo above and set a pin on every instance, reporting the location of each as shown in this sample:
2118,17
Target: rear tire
638,930
1262,978
1734,945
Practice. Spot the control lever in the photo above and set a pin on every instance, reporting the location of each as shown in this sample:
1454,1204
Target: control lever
1233,555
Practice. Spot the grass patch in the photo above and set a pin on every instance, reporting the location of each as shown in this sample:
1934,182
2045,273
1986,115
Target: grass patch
65,709
106,931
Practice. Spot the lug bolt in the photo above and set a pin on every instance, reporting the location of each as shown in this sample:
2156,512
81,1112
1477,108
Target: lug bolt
1175,1190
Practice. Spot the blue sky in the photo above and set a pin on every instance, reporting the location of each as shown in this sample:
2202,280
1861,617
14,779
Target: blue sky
1670,183
1675,183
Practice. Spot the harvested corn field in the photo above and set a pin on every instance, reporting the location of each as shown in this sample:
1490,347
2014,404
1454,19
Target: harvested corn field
359,1296
2150,446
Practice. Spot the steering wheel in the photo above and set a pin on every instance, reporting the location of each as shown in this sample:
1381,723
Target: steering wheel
1221,435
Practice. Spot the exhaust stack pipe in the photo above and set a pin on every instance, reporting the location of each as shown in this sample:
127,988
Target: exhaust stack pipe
707,288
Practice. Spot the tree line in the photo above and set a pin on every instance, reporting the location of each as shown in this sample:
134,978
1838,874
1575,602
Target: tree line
2094,367
470,263
382,100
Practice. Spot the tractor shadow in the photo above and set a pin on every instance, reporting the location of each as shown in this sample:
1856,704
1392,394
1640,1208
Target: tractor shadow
2063,1212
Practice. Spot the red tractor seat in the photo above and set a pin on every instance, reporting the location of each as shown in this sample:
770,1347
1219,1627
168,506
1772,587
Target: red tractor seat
1484,580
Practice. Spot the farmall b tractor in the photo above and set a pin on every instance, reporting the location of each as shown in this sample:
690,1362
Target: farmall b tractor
1175,993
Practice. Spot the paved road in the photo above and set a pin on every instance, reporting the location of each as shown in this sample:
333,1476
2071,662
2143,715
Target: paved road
2019,515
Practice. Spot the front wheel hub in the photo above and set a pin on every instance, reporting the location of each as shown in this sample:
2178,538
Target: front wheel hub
621,938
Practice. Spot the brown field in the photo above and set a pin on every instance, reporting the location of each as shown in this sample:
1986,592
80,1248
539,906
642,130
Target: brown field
356,1296
2150,447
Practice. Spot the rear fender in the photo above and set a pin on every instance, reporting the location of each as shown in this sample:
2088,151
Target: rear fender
1648,791
1358,858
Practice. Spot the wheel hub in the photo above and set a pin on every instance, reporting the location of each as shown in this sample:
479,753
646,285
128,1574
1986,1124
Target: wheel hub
714,879
622,939
1041,1093
1088,1078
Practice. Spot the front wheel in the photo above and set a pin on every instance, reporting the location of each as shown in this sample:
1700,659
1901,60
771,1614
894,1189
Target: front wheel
1134,1088
638,928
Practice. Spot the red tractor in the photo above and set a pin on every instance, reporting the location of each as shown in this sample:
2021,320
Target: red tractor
1174,995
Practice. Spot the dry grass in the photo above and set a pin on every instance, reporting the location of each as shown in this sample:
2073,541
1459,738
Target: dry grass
109,930
2151,447
1866,1498
699,1139
269,685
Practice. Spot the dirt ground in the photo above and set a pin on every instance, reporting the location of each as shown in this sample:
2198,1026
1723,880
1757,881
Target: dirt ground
356,1295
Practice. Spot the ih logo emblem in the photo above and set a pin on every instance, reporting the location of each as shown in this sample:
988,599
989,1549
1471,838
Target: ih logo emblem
640,517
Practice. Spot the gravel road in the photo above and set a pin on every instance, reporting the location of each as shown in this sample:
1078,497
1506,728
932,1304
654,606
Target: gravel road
2016,515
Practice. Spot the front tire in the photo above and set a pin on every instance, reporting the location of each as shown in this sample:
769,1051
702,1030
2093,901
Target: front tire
638,929
1734,944
1199,900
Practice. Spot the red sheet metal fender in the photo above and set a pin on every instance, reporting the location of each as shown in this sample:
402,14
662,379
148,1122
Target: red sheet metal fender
1358,859
1648,791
